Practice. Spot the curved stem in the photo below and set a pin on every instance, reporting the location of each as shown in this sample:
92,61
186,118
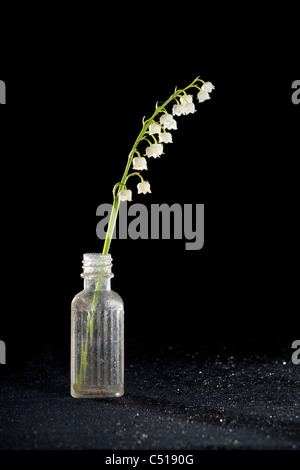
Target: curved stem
147,140
198,80
135,174
153,137
194,86
145,127
162,127
114,215
184,98
115,187
136,151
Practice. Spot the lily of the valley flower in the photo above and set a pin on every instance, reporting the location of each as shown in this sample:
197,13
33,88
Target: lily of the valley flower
186,99
207,87
154,128
187,104
203,94
185,107
144,187
159,123
165,137
178,110
189,108
154,150
168,121
125,195
139,163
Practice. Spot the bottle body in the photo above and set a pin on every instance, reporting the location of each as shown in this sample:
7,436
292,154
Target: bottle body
97,336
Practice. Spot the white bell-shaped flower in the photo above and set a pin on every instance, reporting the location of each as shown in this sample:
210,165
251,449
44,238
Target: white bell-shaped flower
178,110
189,108
125,195
155,150
207,87
186,99
154,128
139,163
203,96
144,187
168,121
165,137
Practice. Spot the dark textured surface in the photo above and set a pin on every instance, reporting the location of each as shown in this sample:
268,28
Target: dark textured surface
177,397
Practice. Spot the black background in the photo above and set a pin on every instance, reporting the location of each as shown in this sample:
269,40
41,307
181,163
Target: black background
75,105
79,82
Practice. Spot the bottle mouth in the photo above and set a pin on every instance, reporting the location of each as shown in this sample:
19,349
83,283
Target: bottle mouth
97,265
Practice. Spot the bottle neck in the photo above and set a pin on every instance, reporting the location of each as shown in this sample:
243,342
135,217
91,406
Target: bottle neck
97,268
92,283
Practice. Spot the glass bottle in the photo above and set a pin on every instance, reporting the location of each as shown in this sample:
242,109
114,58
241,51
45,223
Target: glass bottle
97,333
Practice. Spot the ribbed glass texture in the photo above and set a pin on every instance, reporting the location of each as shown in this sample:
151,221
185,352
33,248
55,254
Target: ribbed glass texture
97,334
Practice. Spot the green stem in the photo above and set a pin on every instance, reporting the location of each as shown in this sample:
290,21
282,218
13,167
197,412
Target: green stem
147,140
113,219
112,223
116,204
153,137
80,376
135,174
